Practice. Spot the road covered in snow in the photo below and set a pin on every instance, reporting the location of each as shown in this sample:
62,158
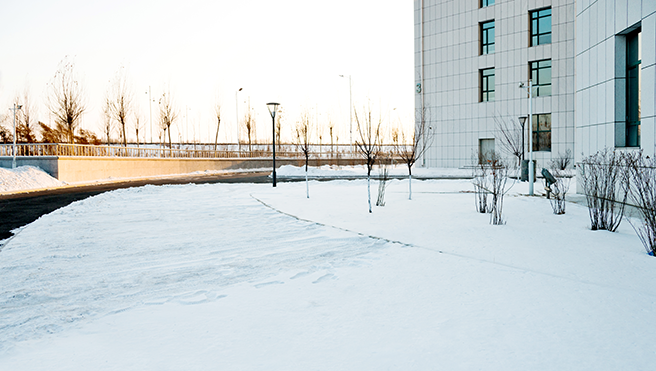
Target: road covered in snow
250,277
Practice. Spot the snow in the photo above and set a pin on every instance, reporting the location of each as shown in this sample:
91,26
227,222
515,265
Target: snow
25,178
350,172
250,277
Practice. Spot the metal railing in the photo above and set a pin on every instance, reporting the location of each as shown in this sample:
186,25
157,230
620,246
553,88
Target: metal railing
198,151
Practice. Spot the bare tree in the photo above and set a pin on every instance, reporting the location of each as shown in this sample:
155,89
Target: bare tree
167,114
137,127
368,143
511,137
121,103
279,117
6,135
331,128
25,124
419,142
499,179
107,120
303,130
66,100
249,127
217,114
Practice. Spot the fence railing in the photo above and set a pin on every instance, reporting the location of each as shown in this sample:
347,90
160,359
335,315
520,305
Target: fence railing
198,151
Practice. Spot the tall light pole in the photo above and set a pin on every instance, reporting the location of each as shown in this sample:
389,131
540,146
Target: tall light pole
273,107
15,108
531,166
350,110
237,116
150,113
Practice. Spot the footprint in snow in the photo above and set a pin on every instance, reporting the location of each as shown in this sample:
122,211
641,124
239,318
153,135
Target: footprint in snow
327,276
268,283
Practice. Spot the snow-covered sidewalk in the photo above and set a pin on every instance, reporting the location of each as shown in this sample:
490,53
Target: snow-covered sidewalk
249,277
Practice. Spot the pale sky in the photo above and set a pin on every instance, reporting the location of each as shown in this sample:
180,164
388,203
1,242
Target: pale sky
289,51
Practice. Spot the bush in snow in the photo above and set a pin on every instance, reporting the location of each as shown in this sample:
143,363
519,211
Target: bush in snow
383,177
480,180
642,190
558,190
605,184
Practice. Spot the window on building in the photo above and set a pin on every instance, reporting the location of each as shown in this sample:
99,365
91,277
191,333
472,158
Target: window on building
485,3
487,37
541,27
485,150
487,85
633,80
541,77
542,132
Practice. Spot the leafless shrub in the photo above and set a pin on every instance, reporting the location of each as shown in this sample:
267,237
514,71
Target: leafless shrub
499,180
605,186
642,173
490,179
559,169
480,179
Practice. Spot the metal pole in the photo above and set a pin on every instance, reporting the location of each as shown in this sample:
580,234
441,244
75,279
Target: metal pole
13,161
273,118
531,166
237,116
150,114
350,111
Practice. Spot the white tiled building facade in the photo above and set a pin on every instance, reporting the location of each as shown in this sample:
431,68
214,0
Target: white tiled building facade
471,56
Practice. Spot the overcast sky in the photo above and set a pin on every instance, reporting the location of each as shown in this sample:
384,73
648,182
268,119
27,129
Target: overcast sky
290,51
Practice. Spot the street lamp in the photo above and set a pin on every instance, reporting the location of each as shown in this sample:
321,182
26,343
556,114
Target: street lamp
350,110
522,120
237,116
273,107
531,166
15,108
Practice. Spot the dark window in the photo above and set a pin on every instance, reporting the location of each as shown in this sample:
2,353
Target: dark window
487,85
485,3
487,37
541,27
633,80
542,132
541,77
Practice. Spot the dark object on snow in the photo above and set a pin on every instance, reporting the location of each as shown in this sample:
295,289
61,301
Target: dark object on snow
549,179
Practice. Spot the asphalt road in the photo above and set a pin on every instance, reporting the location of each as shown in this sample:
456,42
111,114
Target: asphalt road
17,210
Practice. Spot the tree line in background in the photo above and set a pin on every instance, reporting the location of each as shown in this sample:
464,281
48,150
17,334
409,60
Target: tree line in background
66,103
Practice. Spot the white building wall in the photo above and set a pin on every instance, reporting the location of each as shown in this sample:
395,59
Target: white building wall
601,69
449,74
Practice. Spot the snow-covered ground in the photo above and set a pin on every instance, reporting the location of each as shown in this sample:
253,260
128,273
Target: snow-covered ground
26,177
250,277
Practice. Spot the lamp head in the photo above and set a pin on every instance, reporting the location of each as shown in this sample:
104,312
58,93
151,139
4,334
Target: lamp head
273,107
522,120
521,84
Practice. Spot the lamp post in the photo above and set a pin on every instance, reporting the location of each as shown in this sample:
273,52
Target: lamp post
350,109
237,116
15,108
273,107
531,166
522,121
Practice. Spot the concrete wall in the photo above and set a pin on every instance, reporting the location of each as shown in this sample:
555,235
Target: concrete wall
83,169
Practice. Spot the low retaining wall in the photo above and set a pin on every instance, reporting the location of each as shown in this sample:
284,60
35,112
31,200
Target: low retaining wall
83,169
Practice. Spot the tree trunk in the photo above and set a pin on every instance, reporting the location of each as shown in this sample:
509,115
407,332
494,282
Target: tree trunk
369,192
